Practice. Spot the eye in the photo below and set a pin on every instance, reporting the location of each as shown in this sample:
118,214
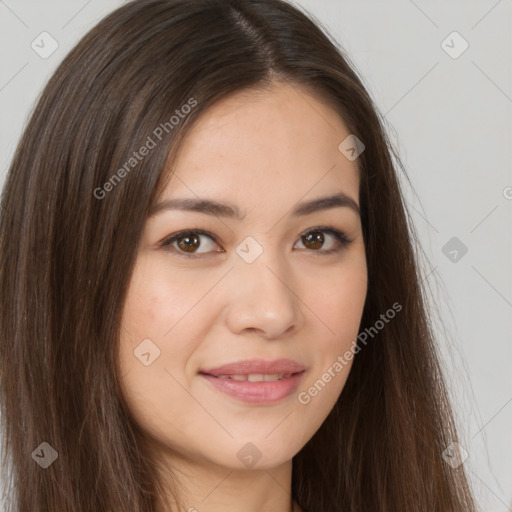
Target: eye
315,239
187,243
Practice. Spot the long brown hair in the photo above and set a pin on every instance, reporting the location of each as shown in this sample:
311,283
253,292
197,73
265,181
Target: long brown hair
68,244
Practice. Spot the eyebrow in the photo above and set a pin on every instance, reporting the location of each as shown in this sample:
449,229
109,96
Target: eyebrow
211,207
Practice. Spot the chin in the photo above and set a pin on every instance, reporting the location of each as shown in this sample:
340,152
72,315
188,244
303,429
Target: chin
260,453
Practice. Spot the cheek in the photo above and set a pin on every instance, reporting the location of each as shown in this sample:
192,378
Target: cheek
158,300
151,319
154,323
339,304
344,310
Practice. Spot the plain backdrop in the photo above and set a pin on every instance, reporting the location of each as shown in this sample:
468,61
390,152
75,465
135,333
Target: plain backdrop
447,99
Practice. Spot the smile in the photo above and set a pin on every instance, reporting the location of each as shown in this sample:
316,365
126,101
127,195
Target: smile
257,377
256,388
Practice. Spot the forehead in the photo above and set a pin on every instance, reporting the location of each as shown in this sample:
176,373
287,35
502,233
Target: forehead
265,147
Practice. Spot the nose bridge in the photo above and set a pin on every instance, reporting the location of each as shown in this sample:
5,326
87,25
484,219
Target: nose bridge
263,298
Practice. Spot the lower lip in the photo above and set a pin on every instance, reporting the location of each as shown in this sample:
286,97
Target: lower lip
264,392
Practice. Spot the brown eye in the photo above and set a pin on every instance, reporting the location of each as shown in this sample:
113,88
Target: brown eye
313,240
188,243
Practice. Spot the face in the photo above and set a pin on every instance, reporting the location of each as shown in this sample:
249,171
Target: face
268,283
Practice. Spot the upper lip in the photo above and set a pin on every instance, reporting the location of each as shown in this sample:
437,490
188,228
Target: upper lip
256,366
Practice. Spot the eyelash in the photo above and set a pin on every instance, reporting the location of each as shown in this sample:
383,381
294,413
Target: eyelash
341,237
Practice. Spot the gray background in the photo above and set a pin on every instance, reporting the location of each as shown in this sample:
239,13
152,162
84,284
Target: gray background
452,121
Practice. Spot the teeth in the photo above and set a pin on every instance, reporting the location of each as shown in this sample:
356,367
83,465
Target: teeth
257,377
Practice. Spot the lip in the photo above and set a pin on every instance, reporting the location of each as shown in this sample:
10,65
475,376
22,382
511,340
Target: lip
263,392
247,366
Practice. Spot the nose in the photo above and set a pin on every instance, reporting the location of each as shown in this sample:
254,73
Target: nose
263,299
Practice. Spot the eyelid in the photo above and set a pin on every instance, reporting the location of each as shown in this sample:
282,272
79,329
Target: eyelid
342,238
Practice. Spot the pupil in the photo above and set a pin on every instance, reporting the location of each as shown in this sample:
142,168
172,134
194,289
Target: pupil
317,239
184,243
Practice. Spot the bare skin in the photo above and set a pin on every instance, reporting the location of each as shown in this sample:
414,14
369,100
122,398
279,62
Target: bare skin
264,152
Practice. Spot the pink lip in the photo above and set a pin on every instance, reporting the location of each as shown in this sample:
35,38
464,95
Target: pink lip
248,366
264,392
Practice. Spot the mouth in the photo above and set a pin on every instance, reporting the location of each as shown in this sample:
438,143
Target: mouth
255,388
255,368
256,377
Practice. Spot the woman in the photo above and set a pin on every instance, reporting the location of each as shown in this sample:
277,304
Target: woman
211,299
